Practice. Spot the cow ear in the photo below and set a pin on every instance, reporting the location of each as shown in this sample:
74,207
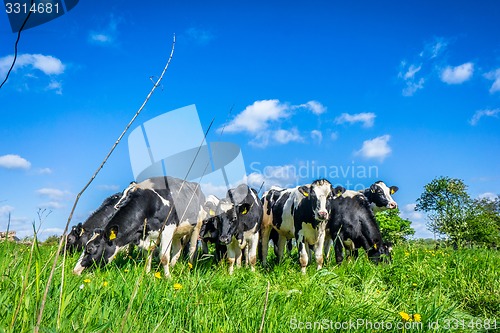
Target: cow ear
373,188
304,190
393,189
338,191
244,208
113,231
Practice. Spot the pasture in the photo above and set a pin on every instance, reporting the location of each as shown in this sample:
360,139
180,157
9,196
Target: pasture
440,290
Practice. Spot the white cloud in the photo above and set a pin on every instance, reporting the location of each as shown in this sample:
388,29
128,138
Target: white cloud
483,113
274,175
412,87
410,74
285,136
414,75
487,195
107,35
263,118
51,205
314,106
52,193
200,36
334,136
417,219
495,76
458,74
366,118
11,161
317,136
44,171
5,210
51,231
56,86
256,117
100,38
47,64
108,187
437,47
376,148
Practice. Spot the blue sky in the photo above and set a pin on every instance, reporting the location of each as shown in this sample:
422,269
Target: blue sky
403,91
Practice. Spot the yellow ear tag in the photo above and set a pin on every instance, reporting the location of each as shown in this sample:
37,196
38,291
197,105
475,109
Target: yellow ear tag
81,232
112,235
375,246
392,192
211,212
305,194
244,211
339,194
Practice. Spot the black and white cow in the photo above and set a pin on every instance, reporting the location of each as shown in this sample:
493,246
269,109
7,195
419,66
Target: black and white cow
301,213
352,225
162,204
80,233
240,216
210,228
379,196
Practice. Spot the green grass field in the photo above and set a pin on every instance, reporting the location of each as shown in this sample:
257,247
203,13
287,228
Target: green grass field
440,290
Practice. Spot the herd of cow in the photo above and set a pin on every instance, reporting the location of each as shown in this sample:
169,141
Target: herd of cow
174,215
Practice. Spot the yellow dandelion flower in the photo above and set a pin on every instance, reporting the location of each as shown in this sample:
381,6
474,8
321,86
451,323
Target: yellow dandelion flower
190,265
414,284
177,286
407,254
158,275
126,270
417,317
105,283
405,316
86,280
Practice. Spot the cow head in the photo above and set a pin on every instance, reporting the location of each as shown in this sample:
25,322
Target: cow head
228,214
381,195
73,240
210,226
99,250
380,252
319,193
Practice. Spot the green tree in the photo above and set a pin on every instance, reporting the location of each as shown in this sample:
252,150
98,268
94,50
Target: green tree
447,204
392,226
484,222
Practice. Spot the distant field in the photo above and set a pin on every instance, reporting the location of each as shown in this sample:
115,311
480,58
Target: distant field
446,290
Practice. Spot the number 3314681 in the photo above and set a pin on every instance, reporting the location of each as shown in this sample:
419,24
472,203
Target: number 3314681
23,8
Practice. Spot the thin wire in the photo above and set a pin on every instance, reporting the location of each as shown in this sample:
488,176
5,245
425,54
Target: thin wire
15,46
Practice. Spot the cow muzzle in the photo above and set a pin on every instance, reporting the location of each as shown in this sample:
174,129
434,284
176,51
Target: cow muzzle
392,205
224,239
323,215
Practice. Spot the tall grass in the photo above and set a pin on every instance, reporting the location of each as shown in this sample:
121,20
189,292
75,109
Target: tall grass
454,288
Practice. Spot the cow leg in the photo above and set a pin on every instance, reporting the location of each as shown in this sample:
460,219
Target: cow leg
231,254
265,232
204,247
176,250
281,247
252,250
193,244
238,255
303,258
339,256
328,245
167,237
